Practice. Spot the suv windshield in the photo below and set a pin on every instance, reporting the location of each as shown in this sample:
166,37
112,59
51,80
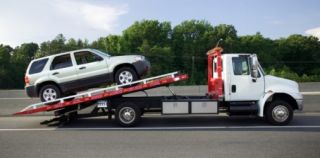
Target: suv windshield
37,66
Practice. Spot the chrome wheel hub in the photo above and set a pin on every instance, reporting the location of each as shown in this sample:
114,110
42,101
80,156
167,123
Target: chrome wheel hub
127,115
280,113
125,77
49,94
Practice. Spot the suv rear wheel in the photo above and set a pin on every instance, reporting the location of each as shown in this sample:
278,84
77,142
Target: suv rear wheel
125,75
49,93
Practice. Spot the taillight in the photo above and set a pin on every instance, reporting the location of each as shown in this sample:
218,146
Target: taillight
26,80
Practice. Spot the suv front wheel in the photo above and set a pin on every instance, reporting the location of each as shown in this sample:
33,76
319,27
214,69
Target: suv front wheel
125,75
49,93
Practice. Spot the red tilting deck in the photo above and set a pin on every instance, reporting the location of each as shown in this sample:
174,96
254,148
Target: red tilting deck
105,94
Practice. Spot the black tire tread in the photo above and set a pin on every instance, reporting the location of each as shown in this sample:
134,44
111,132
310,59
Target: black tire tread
126,68
269,108
137,118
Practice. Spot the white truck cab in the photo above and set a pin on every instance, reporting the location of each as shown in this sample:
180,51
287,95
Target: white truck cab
244,81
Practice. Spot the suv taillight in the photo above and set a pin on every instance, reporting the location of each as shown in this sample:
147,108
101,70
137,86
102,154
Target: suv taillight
26,80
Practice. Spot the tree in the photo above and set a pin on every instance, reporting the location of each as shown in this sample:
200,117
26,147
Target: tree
265,48
182,48
229,36
57,45
21,58
190,42
300,53
25,53
5,67
113,44
152,31
71,44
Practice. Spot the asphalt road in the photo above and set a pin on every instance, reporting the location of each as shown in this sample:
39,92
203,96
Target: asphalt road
217,136
12,101
170,136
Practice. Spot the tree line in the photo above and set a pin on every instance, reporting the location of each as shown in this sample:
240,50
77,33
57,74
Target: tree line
182,47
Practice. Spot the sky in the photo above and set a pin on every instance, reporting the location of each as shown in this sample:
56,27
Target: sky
23,21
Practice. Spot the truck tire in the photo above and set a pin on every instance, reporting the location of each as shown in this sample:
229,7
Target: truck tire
49,92
279,112
125,75
128,115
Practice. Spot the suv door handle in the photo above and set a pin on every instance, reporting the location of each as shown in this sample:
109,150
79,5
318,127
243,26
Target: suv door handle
233,88
55,73
83,67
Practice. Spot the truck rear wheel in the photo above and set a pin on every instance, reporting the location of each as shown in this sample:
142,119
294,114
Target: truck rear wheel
128,115
279,112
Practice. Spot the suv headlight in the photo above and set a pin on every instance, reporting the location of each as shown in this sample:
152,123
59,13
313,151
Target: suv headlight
139,58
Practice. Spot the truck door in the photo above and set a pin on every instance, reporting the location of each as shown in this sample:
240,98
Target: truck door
243,86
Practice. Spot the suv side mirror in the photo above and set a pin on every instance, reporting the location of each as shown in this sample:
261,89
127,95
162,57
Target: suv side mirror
254,67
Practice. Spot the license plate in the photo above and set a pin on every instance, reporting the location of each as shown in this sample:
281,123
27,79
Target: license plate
102,104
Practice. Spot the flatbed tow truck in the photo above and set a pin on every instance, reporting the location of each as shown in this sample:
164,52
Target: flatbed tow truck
237,85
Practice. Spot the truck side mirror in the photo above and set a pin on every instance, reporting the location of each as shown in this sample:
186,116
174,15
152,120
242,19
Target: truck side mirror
254,67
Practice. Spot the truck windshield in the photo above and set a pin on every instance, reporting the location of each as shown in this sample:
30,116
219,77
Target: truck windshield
262,71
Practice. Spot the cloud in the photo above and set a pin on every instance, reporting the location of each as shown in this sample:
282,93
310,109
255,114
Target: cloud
100,17
314,32
39,20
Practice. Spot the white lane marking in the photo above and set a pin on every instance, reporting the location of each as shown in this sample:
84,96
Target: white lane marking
15,98
27,129
310,93
24,98
160,128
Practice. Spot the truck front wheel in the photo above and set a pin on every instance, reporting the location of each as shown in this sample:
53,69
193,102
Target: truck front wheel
279,112
128,115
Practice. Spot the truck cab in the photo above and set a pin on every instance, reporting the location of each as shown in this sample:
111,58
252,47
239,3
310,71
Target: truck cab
239,81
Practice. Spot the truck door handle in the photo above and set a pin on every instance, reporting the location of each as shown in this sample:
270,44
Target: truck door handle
83,67
55,73
233,88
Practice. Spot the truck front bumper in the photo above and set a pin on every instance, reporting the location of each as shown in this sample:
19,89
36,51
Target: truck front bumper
299,99
300,104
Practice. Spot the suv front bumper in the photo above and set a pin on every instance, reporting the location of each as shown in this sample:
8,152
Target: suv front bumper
31,91
142,67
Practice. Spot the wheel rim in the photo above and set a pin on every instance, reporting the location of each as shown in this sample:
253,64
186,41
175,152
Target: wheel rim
125,77
49,94
127,115
280,113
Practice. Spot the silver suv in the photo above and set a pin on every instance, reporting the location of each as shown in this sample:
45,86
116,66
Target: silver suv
64,74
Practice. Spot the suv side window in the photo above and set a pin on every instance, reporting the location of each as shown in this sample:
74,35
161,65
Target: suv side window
37,66
240,66
61,61
86,57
